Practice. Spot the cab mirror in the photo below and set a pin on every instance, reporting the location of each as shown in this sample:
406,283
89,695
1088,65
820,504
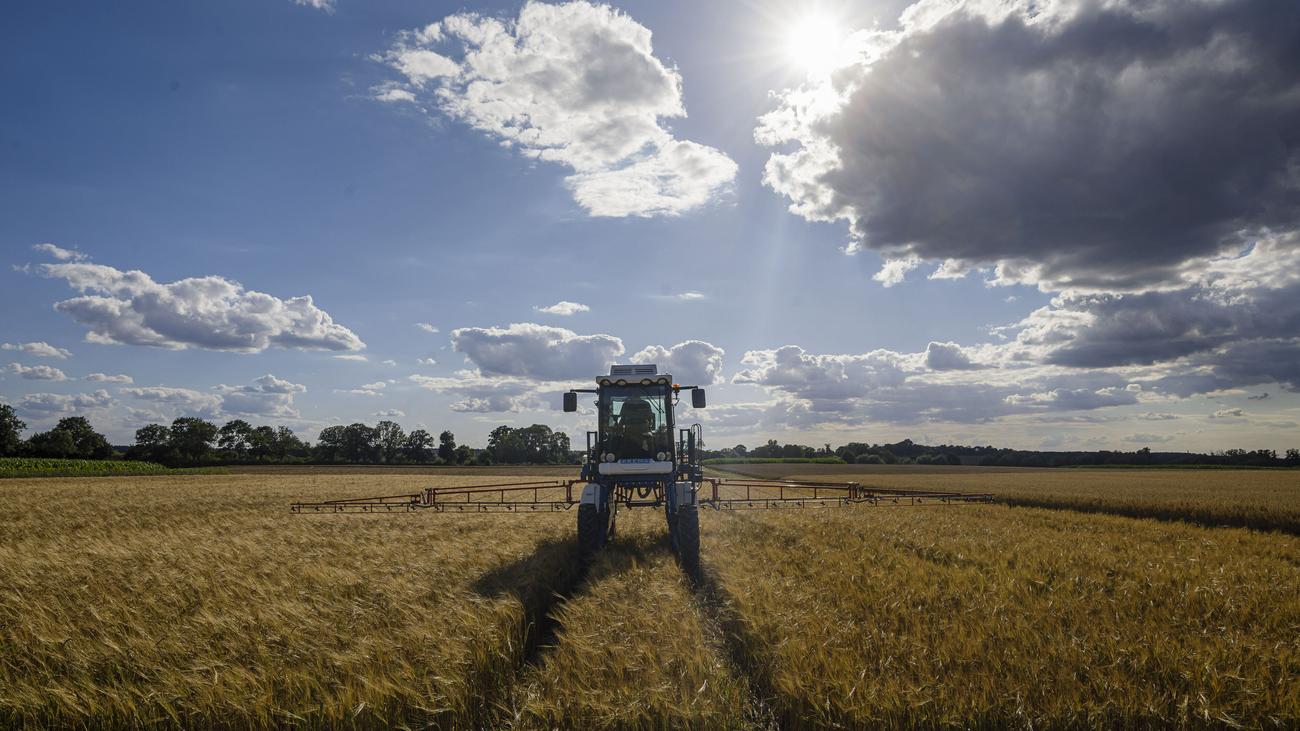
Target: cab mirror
570,401
697,398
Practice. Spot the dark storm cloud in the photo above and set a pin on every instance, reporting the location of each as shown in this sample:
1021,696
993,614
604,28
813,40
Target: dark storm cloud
1077,145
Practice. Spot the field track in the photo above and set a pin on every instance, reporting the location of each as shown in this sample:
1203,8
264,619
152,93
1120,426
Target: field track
197,600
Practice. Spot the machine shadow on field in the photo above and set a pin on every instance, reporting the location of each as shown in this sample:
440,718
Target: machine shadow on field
734,638
555,573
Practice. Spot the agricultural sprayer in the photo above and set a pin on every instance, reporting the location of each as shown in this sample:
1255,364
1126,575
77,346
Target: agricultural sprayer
639,458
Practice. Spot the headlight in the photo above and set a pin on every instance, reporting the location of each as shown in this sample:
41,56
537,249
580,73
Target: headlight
663,380
661,456
609,457
646,381
604,381
620,382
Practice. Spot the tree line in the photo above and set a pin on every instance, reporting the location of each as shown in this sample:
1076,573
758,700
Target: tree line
909,452
195,441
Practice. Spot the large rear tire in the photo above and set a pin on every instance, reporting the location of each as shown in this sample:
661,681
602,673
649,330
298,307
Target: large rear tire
688,538
592,526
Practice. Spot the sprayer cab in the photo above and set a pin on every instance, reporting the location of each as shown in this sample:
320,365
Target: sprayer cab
636,425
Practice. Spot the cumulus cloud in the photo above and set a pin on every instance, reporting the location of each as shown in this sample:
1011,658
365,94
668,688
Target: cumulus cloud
267,396
366,389
529,350
1072,145
46,405
476,393
36,373
39,349
106,378
693,362
59,252
182,401
203,312
564,308
576,84
947,357
352,357
326,5
426,361
390,414
426,327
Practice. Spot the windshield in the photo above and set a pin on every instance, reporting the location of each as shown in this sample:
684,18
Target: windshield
636,421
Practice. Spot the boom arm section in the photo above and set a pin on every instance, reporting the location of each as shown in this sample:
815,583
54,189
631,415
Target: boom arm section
716,493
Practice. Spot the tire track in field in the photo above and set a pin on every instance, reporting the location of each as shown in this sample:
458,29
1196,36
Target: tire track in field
541,602
729,637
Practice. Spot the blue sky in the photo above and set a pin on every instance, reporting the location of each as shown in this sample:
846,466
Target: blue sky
1095,290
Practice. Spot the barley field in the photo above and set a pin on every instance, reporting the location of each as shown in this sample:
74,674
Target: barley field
1261,499
198,600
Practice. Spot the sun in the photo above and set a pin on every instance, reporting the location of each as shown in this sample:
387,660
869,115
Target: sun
813,44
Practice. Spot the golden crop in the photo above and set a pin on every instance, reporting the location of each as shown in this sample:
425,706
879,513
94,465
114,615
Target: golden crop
1261,499
198,600
991,616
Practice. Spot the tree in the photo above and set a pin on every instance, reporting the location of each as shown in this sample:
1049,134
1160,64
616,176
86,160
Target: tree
52,444
86,443
192,438
11,431
152,442
261,442
447,447
235,438
418,447
389,440
359,443
464,455
329,446
286,443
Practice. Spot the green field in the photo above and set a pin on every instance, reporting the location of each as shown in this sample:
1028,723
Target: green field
187,601
41,467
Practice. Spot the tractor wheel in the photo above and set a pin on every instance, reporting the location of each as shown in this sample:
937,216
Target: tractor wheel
592,525
688,538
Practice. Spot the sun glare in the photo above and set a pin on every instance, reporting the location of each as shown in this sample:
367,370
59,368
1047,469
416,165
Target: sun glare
813,44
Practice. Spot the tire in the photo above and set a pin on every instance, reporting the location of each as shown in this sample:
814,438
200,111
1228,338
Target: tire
592,525
688,538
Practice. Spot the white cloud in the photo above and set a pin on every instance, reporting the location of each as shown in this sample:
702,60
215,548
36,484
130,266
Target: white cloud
688,296
564,308
693,362
182,401
426,361
390,414
529,350
37,372
389,362
353,357
205,312
366,389
45,405
105,378
893,271
947,357
575,84
480,394
326,5
267,396
59,252
426,327
38,349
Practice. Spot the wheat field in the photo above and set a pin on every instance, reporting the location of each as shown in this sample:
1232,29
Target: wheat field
198,600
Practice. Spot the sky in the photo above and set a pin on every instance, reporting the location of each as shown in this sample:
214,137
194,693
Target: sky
1047,224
